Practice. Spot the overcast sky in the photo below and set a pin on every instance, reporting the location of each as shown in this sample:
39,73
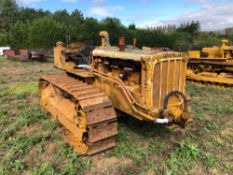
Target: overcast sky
212,14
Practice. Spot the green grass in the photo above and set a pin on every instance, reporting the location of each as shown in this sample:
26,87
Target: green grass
150,152
3,81
32,143
183,157
20,90
16,145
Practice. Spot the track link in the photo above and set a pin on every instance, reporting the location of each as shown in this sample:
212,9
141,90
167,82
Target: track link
213,73
212,81
85,111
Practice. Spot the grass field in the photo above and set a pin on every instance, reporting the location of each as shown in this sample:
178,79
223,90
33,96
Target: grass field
31,142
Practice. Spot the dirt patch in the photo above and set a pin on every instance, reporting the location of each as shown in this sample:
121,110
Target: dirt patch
228,132
214,171
29,131
211,131
50,150
198,169
40,154
110,164
219,139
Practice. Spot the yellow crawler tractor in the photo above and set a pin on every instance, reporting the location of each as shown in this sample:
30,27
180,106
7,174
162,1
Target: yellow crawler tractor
145,84
212,65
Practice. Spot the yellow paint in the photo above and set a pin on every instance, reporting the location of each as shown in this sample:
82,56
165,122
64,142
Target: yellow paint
135,99
209,73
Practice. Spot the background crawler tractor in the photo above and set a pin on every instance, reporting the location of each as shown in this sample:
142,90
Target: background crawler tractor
212,65
148,85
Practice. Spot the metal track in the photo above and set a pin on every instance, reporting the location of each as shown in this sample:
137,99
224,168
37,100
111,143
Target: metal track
85,111
215,63
220,74
214,81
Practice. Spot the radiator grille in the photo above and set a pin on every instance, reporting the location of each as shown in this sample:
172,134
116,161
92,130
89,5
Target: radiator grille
169,75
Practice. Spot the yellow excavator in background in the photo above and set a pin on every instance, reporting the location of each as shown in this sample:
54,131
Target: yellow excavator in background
146,84
212,65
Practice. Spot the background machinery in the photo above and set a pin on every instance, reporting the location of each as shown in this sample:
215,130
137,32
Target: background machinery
25,55
212,65
148,85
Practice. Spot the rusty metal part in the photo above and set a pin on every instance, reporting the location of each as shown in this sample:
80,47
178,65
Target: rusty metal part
161,73
143,91
85,111
134,43
25,55
137,55
176,105
121,44
70,57
146,84
59,43
76,45
21,55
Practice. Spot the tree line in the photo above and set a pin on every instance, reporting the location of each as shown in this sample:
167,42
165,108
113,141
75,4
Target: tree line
22,27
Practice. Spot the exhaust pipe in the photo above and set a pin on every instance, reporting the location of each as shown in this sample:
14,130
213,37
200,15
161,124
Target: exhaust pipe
104,39
121,44
134,43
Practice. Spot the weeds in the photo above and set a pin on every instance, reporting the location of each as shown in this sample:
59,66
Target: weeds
187,150
4,120
156,146
45,169
131,150
183,157
31,142
20,90
3,81
211,160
